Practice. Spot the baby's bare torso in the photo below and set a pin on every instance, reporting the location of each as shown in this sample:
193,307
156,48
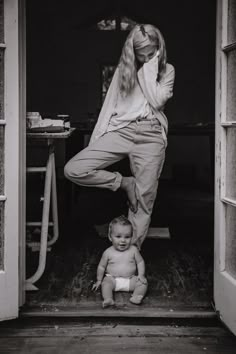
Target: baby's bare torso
121,264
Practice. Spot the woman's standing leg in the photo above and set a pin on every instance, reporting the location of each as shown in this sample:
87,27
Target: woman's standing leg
146,161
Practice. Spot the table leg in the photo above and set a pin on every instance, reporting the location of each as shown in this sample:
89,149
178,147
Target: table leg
54,205
45,222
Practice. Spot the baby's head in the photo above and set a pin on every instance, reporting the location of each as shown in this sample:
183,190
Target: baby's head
120,233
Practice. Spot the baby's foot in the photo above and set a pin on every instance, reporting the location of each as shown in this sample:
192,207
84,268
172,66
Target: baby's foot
107,303
136,299
129,186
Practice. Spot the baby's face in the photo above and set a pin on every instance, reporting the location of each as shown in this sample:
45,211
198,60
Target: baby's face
121,236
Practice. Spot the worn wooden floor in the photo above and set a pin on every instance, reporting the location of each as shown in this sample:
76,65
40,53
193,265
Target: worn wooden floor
57,335
179,270
65,316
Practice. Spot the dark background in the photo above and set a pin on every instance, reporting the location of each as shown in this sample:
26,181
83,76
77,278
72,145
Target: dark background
65,54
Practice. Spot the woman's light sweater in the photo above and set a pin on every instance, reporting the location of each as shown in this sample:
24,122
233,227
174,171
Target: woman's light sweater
147,99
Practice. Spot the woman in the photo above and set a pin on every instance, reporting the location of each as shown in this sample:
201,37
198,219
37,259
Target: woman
131,124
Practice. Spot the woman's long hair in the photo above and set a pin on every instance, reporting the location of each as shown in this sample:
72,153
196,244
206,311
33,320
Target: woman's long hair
128,63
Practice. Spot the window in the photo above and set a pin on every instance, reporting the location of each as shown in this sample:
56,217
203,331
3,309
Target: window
116,23
107,74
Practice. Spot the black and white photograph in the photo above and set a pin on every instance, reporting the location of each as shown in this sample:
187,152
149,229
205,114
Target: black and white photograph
117,176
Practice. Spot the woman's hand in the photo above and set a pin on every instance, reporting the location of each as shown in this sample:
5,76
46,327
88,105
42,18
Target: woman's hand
146,54
96,285
155,56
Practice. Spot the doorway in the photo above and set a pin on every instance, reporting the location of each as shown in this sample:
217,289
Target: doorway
179,268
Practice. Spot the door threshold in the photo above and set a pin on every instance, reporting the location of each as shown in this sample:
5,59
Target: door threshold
96,311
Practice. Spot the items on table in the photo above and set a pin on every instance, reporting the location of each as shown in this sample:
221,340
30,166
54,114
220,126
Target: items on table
36,123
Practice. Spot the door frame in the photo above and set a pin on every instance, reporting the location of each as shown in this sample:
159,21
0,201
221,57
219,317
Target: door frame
15,93
14,171
224,283
22,150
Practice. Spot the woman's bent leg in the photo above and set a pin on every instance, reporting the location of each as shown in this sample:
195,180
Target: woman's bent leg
87,168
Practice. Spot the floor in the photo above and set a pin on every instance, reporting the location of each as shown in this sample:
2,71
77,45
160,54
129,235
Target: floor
179,269
65,335
177,315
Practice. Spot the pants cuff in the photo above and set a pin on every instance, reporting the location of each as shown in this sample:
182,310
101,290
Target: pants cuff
117,182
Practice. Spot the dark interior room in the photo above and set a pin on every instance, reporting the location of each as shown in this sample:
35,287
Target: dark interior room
72,48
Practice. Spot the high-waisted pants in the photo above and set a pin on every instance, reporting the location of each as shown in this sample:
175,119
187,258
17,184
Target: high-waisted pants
142,142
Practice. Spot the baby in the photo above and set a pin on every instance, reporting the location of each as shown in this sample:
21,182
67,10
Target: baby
119,265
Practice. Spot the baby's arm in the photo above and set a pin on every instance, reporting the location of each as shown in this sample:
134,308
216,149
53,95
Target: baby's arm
140,266
156,92
101,270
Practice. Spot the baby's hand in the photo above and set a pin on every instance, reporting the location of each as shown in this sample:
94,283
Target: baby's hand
142,279
96,285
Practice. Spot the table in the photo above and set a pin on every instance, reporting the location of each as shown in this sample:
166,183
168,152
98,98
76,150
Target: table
49,199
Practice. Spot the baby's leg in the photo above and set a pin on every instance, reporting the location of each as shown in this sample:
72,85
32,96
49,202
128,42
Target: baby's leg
108,285
139,290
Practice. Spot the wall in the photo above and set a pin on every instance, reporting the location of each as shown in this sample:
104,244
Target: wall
64,59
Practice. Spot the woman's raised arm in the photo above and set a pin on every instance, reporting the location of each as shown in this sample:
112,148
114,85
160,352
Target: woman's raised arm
156,92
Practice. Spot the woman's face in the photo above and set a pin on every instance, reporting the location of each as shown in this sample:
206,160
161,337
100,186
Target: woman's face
144,54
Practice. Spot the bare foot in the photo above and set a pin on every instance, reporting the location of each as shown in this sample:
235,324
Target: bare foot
107,303
136,299
128,185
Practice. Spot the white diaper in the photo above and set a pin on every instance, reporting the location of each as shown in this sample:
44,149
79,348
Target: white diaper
122,284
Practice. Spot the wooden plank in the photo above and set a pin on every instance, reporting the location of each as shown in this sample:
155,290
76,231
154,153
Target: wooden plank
158,232
58,329
94,310
134,345
153,232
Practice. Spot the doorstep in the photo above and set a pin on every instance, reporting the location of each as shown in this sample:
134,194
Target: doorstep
93,310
